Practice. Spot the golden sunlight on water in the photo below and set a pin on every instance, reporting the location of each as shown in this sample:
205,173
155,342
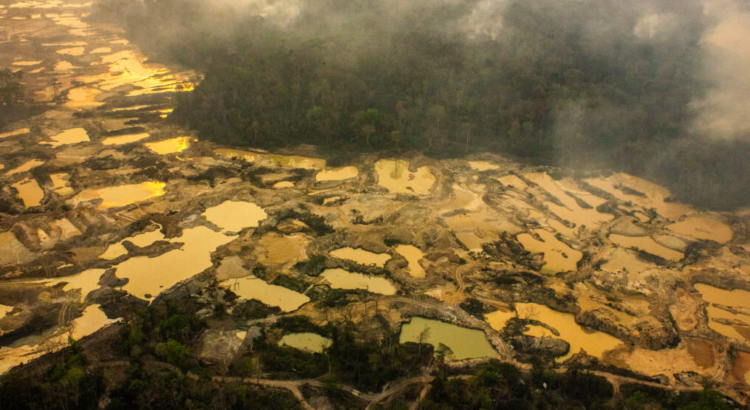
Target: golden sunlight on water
646,244
341,279
595,343
124,139
113,197
169,146
253,288
413,255
235,216
558,256
362,256
703,228
27,166
71,136
15,133
29,192
337,174
275,160
734,298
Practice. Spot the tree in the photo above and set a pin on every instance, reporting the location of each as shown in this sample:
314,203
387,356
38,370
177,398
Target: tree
11,90
367,131
467,128
424,336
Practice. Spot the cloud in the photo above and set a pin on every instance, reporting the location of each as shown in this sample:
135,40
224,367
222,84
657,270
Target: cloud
724,112
485,19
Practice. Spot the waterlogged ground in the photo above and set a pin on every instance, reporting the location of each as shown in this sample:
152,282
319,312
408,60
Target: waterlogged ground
100,196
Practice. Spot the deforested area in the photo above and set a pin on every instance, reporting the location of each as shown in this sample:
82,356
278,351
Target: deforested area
434,204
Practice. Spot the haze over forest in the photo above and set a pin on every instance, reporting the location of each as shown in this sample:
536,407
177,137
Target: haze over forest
374,204
654,88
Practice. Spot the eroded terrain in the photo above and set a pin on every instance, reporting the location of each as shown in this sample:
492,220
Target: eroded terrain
104,203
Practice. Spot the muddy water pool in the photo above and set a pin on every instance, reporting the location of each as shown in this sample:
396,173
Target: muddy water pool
465,343
396,177
341,279
170,146
235,215
122,195
253,288
310,342
413,255
558,256
362,256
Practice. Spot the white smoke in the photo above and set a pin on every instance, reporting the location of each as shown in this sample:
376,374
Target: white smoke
654,26
724,112
486,19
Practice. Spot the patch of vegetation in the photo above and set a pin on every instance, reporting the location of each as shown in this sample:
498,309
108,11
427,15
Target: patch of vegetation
290,282
642,397
313,266
253,309
475,308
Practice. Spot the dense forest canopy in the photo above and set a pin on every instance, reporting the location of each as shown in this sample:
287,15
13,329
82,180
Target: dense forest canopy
580,84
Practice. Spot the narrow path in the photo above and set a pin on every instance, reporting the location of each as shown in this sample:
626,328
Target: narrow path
373,399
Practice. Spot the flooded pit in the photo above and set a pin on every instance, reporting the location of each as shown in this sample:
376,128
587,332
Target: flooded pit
734,298
362,256
11,357
170,146
646,244
283,161
117,196
235,216
15,133
63,66
413,255
513,181
29,192
702,352
571,210
341,279
83,97
465,343
283,185
621,260
703,228
655,195
66,44
482,166
558,256
395,176
90,322
61,184
26,63
153,275
124,139
86,281
309,342
72,51
25,167
337,174
143,240
595,343
4,310
67,137
741,368
276,249
253,288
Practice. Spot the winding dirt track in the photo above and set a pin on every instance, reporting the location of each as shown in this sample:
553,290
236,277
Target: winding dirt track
373,399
